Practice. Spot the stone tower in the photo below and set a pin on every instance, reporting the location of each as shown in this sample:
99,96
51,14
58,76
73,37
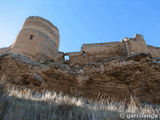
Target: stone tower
135,45
38,37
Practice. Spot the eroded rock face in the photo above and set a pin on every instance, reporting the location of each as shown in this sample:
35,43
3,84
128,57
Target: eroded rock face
117,78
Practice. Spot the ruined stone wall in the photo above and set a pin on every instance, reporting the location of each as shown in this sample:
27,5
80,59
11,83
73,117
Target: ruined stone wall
135,45
4,50
75,57
84,59
111,49
38,37
95,52
155,51
59,57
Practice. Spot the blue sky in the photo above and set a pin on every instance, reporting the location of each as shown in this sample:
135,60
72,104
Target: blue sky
84,21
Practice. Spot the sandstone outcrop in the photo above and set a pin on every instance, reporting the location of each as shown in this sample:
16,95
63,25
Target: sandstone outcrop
118,78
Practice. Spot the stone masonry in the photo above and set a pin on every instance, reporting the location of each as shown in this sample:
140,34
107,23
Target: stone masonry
38,37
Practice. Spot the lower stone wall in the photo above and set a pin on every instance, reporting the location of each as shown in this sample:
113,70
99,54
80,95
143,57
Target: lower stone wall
59,57
95,52
4,50
81,58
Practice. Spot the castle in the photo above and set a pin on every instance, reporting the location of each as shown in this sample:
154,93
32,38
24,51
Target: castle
39,37
98,71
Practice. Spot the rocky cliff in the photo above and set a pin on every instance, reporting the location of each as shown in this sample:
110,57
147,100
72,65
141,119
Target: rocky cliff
116,78
115,70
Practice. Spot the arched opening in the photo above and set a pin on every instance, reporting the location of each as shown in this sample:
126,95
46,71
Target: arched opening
84,53
31,36
66,57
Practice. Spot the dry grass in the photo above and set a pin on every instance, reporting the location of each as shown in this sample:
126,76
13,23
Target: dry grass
29,105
